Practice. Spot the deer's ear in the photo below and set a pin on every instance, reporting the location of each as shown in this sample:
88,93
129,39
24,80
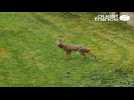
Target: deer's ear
61,40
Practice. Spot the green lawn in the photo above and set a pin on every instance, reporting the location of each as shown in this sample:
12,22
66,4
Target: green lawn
29,55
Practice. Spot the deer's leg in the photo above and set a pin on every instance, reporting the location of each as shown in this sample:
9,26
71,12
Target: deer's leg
68,53
83,54
81,51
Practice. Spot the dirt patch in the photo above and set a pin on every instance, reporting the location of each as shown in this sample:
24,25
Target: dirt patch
3,52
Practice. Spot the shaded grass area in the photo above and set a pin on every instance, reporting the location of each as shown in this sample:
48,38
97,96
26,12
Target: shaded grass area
29,55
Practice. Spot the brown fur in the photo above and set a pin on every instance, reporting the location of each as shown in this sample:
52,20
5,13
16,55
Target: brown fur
70,48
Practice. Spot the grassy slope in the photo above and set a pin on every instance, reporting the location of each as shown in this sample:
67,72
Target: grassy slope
29,56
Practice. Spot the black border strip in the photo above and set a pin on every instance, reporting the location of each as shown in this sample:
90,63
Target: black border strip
66,5
69,90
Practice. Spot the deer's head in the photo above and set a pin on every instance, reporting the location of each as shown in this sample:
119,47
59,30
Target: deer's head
60,43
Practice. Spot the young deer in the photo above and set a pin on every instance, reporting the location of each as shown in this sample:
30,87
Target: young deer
70,48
